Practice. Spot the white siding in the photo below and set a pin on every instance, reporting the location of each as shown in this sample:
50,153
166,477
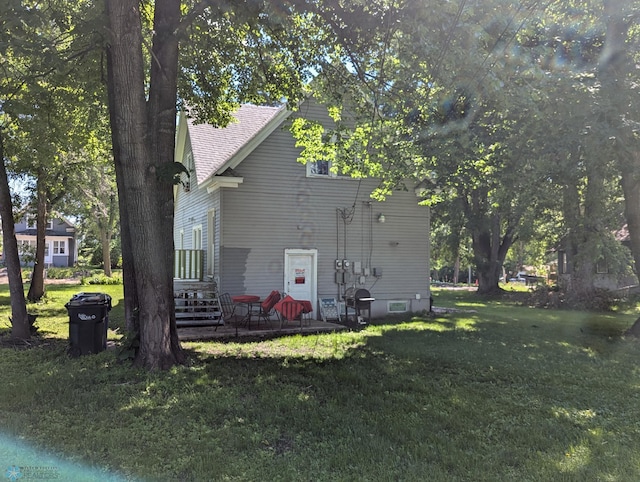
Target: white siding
278,207
191,209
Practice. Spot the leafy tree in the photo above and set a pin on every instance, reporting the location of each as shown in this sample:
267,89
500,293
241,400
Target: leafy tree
448,240
20,328
92,197
48,107
445,104
231,53
460,98
21,53
618,73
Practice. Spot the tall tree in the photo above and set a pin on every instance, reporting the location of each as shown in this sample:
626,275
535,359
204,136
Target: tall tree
92,196
144,133
443,103
22,64
232,53
20,328
46,103
618,72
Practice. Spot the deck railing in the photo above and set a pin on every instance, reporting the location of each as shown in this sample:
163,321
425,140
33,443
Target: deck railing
189,264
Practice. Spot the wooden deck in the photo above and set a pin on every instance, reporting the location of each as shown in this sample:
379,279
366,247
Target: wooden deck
263,330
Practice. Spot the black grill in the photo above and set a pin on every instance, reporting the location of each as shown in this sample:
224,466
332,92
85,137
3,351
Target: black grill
359,300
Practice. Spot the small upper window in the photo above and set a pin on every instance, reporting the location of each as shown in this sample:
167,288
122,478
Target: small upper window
319,168
602,266
323,169
185,178
31,222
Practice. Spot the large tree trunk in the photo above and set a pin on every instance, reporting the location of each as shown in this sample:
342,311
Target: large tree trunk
128,271
586,219
106,232
20,328
105,243
631,189
161,116
489,253
36,289
145,137
613,69
456,270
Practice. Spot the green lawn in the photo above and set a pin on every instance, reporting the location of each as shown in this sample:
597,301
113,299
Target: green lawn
495,392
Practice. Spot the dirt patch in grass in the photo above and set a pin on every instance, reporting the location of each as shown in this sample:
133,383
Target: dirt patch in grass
7,341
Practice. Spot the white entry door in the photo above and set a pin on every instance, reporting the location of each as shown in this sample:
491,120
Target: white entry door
48,258
301,275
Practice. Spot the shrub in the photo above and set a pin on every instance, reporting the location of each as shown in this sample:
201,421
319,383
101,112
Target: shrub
60,273
593,299
101,279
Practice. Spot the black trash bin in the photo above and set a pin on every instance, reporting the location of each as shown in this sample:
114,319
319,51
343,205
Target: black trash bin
88,322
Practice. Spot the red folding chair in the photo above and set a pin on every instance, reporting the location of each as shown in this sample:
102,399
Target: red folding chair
266,308
289,309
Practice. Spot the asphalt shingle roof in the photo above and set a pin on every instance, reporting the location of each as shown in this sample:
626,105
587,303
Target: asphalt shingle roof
214,146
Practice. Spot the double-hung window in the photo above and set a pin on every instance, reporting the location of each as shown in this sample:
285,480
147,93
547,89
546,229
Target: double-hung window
59,247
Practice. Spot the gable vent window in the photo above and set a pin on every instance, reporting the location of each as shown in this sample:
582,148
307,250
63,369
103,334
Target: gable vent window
602,267
185,178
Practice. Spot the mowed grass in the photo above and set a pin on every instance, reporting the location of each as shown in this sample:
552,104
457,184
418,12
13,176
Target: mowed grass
493,392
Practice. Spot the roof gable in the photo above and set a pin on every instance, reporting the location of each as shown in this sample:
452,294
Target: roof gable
61,227
216,149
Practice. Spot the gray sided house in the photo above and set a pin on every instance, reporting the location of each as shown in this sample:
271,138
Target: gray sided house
257,220
609,274
60,250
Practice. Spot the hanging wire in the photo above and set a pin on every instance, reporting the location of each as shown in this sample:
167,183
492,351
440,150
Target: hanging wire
531,9
447,42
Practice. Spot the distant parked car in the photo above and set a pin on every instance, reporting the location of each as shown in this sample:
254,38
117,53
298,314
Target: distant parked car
521,277
528,279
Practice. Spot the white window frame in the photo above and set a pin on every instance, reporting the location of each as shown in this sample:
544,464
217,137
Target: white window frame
196,237
311,167
186,178
397,302
602,267
31,223
60,247
329,175
25,245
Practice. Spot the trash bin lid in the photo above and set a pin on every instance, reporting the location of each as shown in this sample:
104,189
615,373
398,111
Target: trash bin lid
80,299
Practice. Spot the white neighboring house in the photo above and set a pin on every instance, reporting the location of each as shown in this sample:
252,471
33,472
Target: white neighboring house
61,248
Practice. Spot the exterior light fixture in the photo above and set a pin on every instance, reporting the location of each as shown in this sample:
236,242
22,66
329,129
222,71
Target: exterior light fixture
381,218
